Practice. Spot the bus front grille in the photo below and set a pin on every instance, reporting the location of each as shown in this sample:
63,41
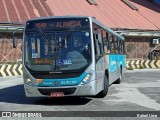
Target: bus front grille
66,91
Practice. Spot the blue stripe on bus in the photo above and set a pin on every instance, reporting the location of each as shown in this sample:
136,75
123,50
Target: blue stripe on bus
115,60
62,82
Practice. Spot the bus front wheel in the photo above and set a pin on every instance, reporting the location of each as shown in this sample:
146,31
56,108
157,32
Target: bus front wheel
104,92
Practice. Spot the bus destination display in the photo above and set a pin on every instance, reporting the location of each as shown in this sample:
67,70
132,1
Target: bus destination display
55,23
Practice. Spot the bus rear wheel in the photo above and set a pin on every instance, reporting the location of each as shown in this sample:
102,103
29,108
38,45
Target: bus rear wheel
104,92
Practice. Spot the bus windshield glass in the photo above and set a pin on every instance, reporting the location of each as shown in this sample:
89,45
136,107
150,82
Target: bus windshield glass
57,50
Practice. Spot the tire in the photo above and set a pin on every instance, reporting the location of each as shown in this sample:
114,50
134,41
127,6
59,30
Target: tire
118,81
104,92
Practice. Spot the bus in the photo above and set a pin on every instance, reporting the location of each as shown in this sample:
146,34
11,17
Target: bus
70,56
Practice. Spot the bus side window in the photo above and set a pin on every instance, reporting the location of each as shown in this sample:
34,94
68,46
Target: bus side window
109,43
100,44
119,46
97,49
105,41
123,44
94,38
112,45
116,45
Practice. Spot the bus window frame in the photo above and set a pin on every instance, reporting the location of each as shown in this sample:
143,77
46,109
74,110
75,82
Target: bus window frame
105,41
121,46
98,42
109,42
116,45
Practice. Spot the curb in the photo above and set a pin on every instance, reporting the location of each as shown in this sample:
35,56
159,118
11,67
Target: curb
10,70
143,70
10,77
143,64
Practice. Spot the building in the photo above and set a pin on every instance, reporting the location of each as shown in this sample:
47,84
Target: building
14,13
136,20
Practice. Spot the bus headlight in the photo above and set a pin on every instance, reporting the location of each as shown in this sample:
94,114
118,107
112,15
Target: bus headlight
29,82
87,78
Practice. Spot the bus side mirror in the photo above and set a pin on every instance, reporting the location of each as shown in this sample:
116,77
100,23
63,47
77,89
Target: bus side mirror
15,34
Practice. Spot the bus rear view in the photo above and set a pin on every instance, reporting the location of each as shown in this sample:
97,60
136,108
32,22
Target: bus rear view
70,56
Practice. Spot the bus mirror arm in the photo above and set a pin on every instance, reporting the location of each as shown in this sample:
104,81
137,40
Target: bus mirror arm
15,36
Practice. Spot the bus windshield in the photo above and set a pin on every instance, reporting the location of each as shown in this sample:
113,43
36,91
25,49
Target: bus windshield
57,50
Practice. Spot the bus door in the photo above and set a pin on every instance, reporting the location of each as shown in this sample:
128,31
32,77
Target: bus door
99,59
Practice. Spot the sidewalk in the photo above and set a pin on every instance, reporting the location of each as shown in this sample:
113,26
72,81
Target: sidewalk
144,70
10,77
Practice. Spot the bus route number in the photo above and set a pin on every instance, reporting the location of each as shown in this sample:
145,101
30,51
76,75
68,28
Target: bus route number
41,25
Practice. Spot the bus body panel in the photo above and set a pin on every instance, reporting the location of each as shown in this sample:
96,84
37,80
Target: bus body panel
110,62
85,90
88,89
80,90
116,63
100,73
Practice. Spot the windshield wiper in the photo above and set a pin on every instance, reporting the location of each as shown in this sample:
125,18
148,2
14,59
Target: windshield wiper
65,38
61,46
47,41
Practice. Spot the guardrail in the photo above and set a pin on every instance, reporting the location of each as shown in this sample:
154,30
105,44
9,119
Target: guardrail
138,64
10,70
16,69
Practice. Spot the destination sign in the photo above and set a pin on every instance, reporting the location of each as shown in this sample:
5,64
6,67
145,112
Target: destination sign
58,23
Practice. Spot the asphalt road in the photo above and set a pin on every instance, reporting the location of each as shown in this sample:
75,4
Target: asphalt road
139,91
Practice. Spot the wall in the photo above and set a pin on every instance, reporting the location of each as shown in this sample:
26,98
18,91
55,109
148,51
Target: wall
7,52
138,47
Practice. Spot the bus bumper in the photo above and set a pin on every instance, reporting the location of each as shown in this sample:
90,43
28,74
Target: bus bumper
88,89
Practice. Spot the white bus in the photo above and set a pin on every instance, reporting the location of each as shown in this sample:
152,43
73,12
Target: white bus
70,56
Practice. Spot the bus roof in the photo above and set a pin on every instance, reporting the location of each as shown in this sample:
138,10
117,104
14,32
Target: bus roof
106,28
66,16
113,32
75,16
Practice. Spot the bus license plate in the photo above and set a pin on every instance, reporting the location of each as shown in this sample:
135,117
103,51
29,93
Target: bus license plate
56,94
